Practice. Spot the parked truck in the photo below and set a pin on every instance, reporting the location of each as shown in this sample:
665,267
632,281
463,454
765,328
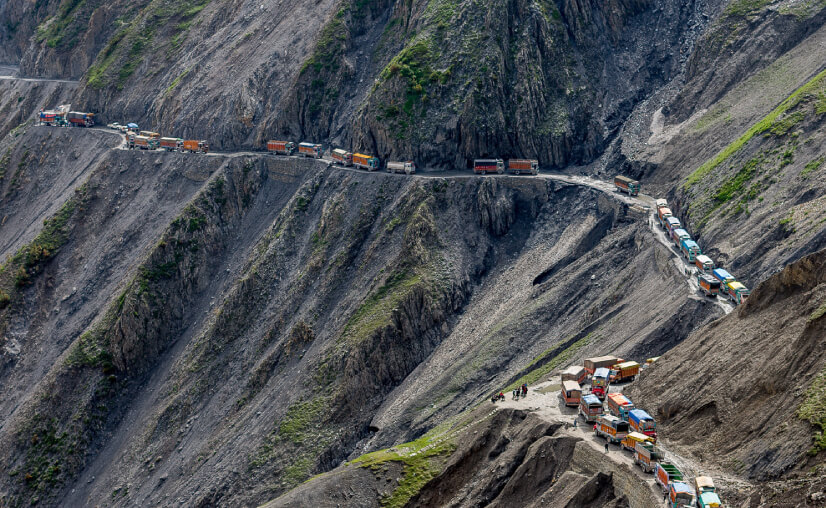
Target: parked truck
150,134
407,168
574,373
690,250
195,146
625,184
678,235
590,407
599,382
647,455
342,157
367,162
666,473
706,493
592,364
663,213
723,276
611,428
143,142
53,118
80,119
625,371
523,166
672,223
310,150
737,292
281,147
571,393
172,144
708,284
485,166
619,405
643,423
680,494
660,203
631,440
704,263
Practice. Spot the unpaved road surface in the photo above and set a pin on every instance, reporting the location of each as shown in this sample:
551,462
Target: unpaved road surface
9,72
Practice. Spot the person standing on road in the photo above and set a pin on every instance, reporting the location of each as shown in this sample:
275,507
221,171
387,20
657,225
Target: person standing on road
606,447
575,419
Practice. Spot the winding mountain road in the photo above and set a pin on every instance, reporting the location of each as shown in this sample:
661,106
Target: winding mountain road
9,72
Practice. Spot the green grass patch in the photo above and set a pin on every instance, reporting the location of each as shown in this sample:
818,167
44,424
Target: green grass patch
4,163
782,126
818,313
813,410
811,167
745,8
61,30
758,128
375,312
734,185
302,420
422,460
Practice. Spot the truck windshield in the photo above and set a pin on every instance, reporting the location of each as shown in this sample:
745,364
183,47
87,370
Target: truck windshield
648,425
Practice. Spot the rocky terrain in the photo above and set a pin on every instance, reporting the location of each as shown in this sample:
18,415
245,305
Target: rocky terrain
219,329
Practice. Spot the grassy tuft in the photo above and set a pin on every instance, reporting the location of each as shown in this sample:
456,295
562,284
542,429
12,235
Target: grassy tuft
538,373
813,410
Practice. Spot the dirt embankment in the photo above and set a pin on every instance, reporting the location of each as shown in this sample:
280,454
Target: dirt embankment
730,393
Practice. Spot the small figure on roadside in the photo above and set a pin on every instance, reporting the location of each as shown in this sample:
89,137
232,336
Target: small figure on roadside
606,447
575,422
501,396
665,496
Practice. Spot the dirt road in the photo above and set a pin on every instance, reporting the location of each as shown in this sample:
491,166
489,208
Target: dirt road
9,72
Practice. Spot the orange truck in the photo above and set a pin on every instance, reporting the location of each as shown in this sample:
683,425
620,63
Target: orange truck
571,393
523,166
310,150
281,147
625,371
171,144
592,364
196,146
342,157
367,162
663,213
590,407
619,405
143,142
611,428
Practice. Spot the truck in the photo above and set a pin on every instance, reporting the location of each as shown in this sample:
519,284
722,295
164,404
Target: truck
195,146
599,382
672,223
592,364
51,117
143,142
708,284
678,235
571,393
625,371
704,263
723,276
631,440
574,373
737,292
619,405
625,184
590,407
663,213
680,494
281,147
647,455
407,168
367,162
80,119
643,423
690,250
485,166
172,144
342,157
706,493
150,134
611,428
523,166
310,150
666,473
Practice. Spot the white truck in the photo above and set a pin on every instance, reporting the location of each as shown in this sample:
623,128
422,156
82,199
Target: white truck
408,167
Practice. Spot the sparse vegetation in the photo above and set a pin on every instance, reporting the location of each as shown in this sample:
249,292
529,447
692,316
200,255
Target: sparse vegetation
758,128
812,166
535,374
813,409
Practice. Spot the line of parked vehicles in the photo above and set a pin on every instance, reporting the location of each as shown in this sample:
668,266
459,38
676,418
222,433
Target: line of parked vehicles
712,280
149,140
62,117
630,427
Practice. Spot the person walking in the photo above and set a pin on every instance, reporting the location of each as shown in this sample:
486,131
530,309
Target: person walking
606,446
575,422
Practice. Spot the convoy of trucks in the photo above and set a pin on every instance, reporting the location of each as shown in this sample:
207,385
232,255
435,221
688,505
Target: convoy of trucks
625,184
725,285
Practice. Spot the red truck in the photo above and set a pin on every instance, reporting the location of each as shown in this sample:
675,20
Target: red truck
523,166
281,147
485,166
342,157
196,146
79,119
